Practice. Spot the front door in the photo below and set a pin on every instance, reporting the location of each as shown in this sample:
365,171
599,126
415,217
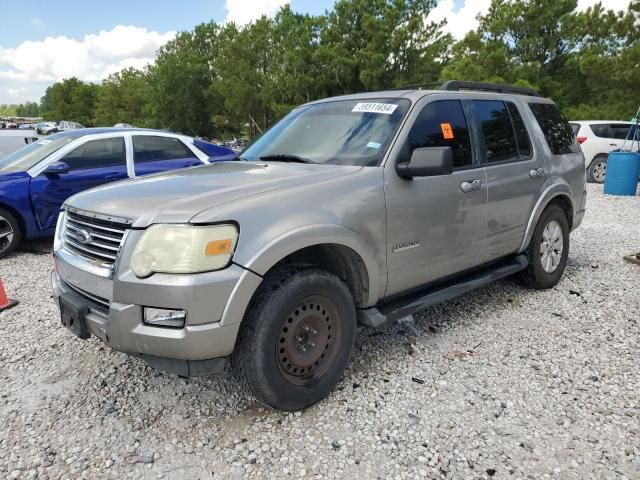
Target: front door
91,164
516,174
435,225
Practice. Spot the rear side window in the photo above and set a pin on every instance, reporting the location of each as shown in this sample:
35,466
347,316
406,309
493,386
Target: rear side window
107,152
556,129
495,124
601,130
151,148
443,124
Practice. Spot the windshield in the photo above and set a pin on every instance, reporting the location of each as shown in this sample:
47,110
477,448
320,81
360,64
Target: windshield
32,154
344,132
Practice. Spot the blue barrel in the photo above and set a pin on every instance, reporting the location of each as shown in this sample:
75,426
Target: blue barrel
623,169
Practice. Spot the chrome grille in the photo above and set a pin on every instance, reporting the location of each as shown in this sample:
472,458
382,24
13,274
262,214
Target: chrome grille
96,239
97,305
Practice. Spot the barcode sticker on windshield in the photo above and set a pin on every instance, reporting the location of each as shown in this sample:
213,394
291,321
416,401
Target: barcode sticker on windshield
385,108
44,141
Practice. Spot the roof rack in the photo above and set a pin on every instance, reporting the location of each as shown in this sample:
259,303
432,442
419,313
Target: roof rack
418,86
456,85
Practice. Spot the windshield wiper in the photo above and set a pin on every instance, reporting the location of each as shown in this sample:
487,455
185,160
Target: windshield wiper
285,157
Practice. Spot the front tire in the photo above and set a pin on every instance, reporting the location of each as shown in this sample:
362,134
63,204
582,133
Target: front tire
597,169
548,249
10,234
296,339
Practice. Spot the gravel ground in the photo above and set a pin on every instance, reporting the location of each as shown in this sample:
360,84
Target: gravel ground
502,383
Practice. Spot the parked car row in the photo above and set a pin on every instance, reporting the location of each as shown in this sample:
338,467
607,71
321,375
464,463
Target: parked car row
37,179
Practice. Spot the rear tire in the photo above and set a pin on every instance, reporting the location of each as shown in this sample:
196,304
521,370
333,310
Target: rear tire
597,169
548,249
296,338
10,234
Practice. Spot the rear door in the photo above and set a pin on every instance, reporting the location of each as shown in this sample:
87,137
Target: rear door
435,228
91,164
516,174
154,153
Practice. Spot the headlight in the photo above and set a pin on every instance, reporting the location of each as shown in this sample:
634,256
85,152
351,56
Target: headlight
184,249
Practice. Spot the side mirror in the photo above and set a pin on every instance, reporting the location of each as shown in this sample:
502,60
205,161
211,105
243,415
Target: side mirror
57,168
427,162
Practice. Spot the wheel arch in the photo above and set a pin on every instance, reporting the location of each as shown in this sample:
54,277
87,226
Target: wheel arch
16,213
559,195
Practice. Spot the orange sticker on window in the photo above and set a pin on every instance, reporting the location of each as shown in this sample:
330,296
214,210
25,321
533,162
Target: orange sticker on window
447,131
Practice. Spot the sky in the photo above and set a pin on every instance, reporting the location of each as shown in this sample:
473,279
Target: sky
41,43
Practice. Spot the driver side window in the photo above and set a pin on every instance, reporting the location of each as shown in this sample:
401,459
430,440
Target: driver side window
107,152
442,124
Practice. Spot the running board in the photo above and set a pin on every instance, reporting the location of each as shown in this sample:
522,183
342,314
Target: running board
402,307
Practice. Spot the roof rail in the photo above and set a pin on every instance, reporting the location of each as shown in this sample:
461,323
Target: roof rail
489,87
417,86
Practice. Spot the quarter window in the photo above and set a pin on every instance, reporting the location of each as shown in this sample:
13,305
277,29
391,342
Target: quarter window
443,124
151,148
107,152
556,129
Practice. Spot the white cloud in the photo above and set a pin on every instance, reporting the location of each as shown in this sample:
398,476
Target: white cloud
245,11
462,20
33,65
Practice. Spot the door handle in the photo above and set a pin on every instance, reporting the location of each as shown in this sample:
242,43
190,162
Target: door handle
536,172
613,144
471,186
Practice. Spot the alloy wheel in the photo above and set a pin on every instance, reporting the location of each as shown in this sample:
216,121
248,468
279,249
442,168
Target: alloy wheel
6,234
551,246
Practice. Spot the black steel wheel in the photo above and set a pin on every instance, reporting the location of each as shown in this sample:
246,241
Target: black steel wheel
296,338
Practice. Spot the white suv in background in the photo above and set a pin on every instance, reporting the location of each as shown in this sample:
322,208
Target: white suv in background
596,139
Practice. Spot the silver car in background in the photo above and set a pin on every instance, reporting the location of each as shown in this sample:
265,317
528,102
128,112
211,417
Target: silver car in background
362,208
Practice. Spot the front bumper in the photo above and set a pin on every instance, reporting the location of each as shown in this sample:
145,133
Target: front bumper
210,331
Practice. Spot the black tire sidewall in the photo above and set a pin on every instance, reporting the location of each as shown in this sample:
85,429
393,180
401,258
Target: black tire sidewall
542,278
17,233
268,383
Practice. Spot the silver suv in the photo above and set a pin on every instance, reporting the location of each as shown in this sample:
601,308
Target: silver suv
361,208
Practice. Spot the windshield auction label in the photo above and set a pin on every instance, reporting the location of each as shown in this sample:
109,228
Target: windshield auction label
385,108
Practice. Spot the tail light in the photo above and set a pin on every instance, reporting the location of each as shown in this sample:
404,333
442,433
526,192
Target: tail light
581,140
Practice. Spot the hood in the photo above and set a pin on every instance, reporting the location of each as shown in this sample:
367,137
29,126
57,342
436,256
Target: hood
178,196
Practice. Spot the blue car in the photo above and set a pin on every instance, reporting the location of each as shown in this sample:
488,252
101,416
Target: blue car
37,179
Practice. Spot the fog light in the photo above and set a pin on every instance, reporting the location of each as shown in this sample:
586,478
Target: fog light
162,317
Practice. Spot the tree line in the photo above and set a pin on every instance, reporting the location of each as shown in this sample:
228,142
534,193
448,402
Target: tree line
223,80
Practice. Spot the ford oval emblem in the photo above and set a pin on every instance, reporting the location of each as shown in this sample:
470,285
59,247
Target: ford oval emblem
83,236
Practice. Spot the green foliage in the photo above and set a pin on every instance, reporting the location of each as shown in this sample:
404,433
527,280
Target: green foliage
223,80
8,110
71,99
586,61
125,97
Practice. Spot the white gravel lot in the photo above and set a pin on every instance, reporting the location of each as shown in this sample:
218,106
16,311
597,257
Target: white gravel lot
549,388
